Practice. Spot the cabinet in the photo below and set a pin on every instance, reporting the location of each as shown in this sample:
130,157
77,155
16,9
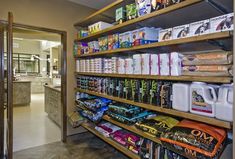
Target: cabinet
53,104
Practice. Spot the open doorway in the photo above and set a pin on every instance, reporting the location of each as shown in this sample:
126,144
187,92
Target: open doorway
39,66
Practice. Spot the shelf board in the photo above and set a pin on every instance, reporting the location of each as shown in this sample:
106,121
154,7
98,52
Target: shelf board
212,36
186,115
130,128
133,21
110,141
157,77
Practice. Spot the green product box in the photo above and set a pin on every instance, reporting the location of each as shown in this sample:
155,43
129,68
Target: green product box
131,11
120,14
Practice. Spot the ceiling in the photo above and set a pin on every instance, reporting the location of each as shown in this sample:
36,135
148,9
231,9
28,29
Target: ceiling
93,3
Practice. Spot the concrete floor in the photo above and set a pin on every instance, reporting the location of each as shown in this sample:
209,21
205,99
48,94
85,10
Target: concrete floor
83,146
32,127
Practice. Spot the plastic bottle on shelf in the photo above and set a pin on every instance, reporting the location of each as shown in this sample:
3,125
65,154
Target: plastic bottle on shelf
224,105
181,96
202,99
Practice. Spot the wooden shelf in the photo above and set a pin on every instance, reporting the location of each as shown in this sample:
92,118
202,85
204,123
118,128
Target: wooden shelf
119,147
186,115
134,21
156,77
212,36
130,128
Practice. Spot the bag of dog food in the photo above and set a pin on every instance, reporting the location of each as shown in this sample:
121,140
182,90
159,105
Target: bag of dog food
213,58
157,125
124,109
195,140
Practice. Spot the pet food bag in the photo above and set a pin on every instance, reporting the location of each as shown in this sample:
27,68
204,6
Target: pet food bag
157,125
213,70
211,58
195,140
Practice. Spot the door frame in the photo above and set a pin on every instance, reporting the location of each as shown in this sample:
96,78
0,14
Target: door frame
63,35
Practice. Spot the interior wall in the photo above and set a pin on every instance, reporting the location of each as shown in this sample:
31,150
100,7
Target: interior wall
55,14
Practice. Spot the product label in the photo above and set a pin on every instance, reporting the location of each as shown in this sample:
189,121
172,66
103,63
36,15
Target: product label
198,102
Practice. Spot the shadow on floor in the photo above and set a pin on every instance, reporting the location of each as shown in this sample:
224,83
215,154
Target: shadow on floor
83,146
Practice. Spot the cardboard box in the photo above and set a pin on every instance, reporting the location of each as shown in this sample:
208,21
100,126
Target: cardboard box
222,23
165,34
199,28
180,32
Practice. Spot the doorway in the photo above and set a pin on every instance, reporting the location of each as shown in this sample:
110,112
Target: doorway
36,89
33,65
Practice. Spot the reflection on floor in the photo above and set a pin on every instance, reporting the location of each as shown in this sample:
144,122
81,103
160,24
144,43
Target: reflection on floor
83,146
32,127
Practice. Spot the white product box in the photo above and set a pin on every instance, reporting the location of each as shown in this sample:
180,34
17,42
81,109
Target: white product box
137,63
154,64
114,64
164,65
175,64
165,34
135,35
77,65
145,65
180,32
199,28
129,66
222,23
121,66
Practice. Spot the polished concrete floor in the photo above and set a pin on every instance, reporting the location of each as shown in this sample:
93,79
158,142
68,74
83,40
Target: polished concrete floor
83,146
32,127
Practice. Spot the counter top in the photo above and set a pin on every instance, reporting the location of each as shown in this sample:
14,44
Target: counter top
58,89
21,81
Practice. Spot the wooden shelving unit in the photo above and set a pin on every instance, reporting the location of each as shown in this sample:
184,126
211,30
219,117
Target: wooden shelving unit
156,77
199,118
176,15
194,39
119,147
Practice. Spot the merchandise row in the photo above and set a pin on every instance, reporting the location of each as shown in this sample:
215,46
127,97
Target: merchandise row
128,12
148,35
197,97
170,64
185,134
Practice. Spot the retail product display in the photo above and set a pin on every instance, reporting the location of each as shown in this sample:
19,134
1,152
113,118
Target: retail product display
145,64
120,14
203,141
157,125
131,11
143,7
200,28
82,33
209,58
161,70
180,32
107,128
224,104
222,23
98,27
151,150
144,91
75,119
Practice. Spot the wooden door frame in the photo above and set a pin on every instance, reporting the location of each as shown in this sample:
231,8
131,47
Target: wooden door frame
63,35
2,91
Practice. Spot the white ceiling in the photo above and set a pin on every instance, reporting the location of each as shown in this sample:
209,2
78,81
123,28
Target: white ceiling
96,4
